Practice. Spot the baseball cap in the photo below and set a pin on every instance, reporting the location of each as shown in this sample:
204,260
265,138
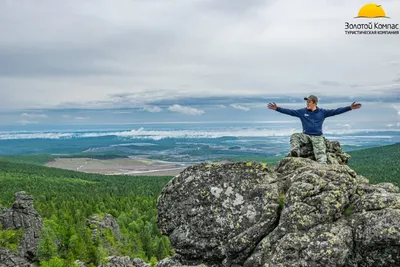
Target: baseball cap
312,97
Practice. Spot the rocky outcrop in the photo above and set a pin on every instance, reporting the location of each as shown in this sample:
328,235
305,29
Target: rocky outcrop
2,210
218,213
175,261
22,215
301,213
99,226
11,259
104,222
118,261
139,263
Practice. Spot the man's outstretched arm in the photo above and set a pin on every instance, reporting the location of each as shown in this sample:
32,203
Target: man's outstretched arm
334,112
291,112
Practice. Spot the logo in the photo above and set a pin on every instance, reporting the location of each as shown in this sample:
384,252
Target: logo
370,15
372,11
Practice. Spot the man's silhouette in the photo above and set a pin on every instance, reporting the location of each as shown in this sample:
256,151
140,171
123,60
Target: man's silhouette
312,118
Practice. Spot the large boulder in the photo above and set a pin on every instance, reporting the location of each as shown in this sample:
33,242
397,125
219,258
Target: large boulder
304,214
214,213
311,230
22,215
374,216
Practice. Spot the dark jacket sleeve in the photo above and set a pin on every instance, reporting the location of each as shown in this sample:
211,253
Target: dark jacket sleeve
334,112
291,112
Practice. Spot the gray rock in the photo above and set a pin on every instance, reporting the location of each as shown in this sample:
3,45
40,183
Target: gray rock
117,261
317,194
328,216
374,216
214,213
105,222
2,210
376,238
316,198
139,263
23,215
174,261
99,225
290,164
11,259
323,245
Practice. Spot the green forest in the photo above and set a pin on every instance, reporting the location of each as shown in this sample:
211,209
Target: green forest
65,199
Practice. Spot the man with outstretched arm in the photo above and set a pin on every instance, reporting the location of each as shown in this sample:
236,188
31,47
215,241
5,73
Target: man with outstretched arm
312,118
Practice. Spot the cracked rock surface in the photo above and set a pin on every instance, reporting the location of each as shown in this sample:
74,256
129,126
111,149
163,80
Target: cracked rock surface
301,213
23,215
10,259
216,213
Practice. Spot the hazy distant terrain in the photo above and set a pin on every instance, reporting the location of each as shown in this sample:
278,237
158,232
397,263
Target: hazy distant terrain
62,199
166,149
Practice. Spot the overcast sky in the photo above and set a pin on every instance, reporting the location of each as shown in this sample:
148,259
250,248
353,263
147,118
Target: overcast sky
75,61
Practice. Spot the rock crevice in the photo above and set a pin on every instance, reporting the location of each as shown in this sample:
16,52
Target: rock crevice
22,215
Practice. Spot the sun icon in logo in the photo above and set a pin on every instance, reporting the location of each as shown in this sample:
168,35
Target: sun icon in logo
371,11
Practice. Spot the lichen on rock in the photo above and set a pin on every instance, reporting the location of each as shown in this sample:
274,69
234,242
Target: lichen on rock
300,213
219,212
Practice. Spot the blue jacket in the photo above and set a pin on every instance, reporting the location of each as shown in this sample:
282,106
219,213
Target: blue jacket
312,120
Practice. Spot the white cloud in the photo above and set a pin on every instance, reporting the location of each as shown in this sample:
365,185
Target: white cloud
344,125
66,116
33,115
224,47
122,112
397,108
82,118
236,106
152,109
26,122
186,110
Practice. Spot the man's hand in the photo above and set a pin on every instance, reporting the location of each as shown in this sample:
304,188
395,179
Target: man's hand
272,106
355,105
